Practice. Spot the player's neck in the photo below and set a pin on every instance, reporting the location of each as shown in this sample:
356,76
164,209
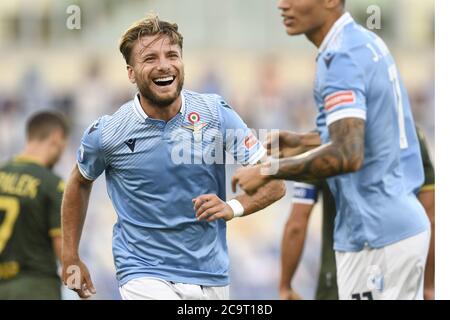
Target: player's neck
317,36
159,113
34,152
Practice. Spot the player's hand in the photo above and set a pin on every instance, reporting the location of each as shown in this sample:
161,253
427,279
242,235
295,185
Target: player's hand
77,278
210,207
283,144
289,294
249,179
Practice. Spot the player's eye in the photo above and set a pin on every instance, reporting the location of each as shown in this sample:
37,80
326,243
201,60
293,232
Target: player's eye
149,59
173,55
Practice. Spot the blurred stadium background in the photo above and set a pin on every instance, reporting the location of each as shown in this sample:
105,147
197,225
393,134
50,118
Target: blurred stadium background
236,48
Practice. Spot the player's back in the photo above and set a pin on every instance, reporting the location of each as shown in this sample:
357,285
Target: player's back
376,205
29,215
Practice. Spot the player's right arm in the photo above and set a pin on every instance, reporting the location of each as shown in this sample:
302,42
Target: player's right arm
284,144
344,109
90,165
294,236
343,92
74,207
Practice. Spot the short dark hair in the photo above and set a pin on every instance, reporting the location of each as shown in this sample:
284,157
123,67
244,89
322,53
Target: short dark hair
42,124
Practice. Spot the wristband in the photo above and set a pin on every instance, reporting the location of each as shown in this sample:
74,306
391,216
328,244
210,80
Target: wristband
236,206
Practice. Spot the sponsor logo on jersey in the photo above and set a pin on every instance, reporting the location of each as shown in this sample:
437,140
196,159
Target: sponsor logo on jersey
131,143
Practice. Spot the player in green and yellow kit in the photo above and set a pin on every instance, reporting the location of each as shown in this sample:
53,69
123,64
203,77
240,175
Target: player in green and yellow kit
30,202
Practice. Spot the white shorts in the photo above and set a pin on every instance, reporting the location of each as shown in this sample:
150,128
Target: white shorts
394,272
148,288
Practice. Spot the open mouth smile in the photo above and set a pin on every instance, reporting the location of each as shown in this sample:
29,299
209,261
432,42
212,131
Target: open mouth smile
164,81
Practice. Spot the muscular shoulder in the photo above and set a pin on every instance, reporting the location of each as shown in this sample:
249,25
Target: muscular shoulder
121,118
112,127
355,45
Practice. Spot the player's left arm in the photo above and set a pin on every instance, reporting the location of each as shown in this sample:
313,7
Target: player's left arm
343,154
240,142
210,207
265,196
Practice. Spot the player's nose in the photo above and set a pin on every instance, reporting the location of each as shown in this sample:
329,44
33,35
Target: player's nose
163,65
283,5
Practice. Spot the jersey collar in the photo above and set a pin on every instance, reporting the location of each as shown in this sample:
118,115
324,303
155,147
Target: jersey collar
28,159
141,113
345,19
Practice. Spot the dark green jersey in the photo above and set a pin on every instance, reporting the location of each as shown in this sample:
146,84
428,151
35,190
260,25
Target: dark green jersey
30,202
327,286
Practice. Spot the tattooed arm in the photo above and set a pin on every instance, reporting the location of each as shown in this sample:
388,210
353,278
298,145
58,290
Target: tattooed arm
285,144
344,153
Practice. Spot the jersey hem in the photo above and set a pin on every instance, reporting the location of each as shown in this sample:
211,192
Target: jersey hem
378,245
173,278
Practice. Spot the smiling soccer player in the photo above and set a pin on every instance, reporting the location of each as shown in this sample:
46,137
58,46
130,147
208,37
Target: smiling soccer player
170,238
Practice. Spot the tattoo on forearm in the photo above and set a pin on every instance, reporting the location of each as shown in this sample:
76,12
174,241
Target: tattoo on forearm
345,153
266,195
311,139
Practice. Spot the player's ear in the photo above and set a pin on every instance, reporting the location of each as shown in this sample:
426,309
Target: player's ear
131,74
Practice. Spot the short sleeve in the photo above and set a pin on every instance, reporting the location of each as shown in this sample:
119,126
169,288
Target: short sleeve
305,193
54,219
239,140
90,156
343,89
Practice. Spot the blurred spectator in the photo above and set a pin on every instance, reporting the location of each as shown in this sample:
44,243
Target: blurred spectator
266,105
93,97
33,93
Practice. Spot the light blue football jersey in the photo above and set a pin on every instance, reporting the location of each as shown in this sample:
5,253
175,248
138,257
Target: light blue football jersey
153,171
357,77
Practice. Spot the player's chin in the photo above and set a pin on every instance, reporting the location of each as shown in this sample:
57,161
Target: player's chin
166,97
162,91
293,29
